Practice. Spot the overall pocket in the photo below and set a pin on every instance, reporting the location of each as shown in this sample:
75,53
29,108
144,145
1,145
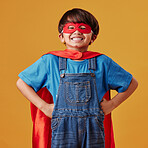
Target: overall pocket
78,92
54,123
99,121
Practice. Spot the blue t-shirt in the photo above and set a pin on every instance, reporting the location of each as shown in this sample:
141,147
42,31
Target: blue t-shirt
45,73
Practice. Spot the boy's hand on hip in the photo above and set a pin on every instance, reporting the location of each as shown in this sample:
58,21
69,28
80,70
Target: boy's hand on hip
48,109
107,106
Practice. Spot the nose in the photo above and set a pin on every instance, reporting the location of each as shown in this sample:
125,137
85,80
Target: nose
77,32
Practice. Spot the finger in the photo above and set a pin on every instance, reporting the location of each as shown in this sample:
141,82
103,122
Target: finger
101,100
104,99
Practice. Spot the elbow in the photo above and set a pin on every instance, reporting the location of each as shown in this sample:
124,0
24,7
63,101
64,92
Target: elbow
134,83
19,83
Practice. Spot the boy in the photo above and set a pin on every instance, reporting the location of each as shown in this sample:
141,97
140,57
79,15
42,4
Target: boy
77,80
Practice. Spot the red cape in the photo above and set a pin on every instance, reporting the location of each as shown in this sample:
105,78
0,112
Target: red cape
42,124
75,55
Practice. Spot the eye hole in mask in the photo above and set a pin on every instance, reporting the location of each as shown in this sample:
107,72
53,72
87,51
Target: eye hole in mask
82,27
73,27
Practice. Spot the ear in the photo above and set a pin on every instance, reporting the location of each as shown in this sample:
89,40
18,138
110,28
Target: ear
93,38
61,38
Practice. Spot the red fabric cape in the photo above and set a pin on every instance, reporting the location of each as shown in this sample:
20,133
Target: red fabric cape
42,124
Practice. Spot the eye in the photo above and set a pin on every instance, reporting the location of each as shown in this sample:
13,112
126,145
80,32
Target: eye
82,27
71,27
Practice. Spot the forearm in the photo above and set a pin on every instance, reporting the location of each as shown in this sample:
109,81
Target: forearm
30,94
121,97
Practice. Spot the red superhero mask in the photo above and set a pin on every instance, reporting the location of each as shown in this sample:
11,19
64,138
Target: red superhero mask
72,27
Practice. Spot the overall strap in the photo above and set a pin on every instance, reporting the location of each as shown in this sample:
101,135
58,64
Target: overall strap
92,64
62,63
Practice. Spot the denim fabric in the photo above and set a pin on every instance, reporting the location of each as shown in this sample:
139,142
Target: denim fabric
77,119
74,132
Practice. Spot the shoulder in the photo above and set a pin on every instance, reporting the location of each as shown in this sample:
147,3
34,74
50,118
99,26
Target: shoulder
50,57
103,59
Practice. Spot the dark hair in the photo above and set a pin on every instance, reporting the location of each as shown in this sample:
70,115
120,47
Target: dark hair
77,15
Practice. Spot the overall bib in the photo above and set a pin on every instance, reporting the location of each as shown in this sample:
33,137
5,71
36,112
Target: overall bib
77,118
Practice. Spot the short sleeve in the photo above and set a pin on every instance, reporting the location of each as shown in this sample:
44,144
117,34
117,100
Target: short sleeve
118,78
35,75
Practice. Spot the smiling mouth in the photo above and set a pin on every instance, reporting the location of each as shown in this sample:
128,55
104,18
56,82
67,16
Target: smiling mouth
77,39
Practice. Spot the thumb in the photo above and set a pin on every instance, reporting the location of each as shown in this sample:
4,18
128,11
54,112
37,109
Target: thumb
102,100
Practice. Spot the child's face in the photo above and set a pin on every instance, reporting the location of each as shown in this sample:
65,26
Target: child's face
77,36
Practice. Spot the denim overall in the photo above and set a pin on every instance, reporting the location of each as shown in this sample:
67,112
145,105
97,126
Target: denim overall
77,119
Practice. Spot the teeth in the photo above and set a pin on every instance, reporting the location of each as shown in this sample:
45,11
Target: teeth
77,39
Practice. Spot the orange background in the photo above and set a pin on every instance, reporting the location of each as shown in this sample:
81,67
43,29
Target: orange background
28,28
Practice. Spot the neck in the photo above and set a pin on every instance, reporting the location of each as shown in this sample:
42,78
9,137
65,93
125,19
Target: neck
78,49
